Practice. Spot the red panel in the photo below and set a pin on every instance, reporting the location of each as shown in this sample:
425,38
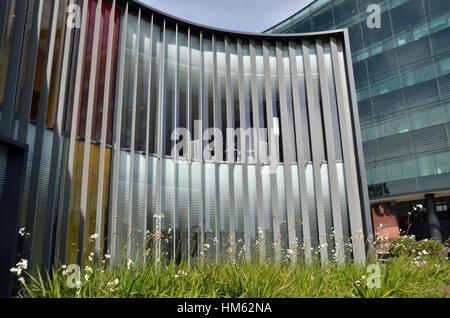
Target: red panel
113,77
87,70
102,59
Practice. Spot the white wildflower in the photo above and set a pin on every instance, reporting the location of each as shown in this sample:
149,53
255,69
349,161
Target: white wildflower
129,264
114,283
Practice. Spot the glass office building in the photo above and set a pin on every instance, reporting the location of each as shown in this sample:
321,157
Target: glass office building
402,75
125,130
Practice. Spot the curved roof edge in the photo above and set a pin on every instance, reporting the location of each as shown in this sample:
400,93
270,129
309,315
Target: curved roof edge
136,5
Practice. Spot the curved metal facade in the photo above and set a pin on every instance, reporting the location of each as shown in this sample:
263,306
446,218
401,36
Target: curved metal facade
204,142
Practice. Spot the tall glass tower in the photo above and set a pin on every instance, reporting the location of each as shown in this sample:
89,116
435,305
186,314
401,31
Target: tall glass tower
402,74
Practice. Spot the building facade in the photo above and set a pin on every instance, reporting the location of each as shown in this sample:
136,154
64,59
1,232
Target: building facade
402,75
143,135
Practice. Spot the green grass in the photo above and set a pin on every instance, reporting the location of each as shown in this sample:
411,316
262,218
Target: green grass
400,277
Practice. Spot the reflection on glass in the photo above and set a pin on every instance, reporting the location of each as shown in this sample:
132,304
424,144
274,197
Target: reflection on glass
235,113
275,103
318,132
42,51
263,143
57,60
130,60
154,90
6,47
195,97
142,86
168,109
290,110
183,89
250,156
333,101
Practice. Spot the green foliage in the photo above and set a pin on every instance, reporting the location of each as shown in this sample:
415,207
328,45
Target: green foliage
403,246
447,242
432,249
400,277
425,249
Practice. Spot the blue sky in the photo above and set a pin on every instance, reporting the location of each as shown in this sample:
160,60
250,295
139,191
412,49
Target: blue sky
239,15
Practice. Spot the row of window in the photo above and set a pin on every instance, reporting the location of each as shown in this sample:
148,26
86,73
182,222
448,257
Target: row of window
405,121
423,166
404,77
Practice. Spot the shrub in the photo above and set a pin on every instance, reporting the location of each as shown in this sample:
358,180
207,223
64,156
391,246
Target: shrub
403,246
447,242
408,246
431,249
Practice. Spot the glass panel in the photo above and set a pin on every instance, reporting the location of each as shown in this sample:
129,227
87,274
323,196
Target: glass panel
195,98
182,210
105,203
318,135
275,104
253,216
170,69
130,60
290,110
208,95
297,207
323,20
210,210
152,193
6,47
311,197
123,201
224,212
42,198
112,98
235,118
42,52
344,204
138,229
303,105
239,211
196,206
30,18
333,101
418,73
75,213
168,208
282,210
154,90
327,206
142,86
249,136
183,91
263,145
221,94
57,60
268,214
